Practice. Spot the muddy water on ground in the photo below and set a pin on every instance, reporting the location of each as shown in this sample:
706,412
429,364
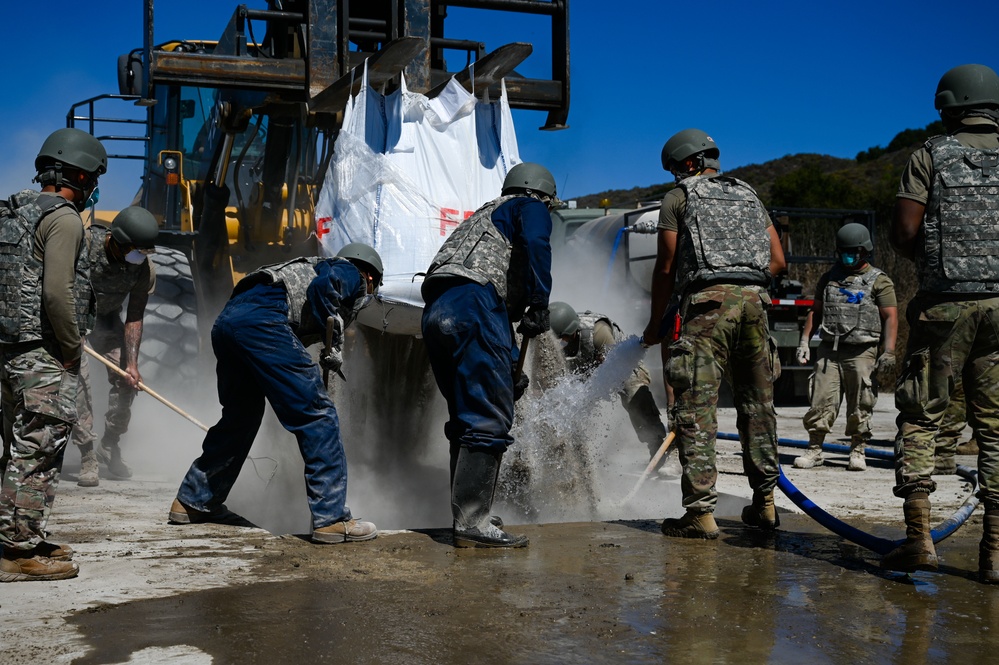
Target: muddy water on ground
581,593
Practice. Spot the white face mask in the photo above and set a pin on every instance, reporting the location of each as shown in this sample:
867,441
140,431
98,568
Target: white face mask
135,257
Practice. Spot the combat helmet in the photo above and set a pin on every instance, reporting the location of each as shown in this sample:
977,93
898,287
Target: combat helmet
688,143
854,235
967,87
135,227
529,176
563,318
75,149
358,252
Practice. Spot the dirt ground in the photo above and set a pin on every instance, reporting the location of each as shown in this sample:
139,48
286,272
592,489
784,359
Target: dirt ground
612,590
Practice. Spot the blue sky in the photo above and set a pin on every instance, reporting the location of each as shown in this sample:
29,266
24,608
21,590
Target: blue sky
765,79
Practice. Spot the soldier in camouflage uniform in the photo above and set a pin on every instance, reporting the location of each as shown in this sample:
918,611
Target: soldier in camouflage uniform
260,342
854,310
718,249
119,270
946,219
494,266
46,306
587,337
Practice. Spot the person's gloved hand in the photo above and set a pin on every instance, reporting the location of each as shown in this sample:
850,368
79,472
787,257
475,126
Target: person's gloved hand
535,322
804,353
520,386
886,362
331,359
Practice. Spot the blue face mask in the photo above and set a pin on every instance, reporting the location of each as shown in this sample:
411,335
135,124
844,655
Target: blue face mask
849,259
92,200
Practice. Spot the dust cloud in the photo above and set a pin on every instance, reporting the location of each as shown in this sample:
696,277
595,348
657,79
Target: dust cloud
575,454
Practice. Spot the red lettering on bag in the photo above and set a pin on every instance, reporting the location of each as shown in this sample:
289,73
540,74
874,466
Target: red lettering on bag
450,218
323,226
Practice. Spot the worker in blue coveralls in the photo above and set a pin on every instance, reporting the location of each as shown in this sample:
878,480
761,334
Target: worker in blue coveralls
260,341
494,266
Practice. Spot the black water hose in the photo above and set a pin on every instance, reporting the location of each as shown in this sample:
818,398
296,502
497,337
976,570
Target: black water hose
878,545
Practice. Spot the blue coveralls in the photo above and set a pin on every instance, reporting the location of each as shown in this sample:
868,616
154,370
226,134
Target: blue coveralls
467,330
259,356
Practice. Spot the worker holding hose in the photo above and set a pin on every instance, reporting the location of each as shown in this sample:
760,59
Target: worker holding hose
946,216
717,249
120,271
587,337
493,270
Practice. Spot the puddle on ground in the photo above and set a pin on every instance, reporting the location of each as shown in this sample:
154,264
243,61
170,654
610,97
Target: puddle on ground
582,592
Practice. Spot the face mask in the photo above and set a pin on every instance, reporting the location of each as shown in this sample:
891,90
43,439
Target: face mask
94,197
849,259
135,257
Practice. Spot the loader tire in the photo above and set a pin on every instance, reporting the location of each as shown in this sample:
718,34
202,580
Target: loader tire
170,345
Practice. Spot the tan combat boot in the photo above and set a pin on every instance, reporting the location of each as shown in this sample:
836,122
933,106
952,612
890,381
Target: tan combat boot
89,470
858,455
109,453
813,456
345,532
691,525
762,513
988,549
24,566
917,552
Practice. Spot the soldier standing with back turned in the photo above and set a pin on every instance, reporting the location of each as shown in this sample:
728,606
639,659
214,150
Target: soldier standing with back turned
947,220
718,249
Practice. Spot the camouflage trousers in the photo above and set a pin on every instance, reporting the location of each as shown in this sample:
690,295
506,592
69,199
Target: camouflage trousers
844,373
952,425
108,341
39,408
949,341
724,333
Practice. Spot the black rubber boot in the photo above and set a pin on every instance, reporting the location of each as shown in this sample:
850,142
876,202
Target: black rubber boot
472,490
988,548
917,552
495,520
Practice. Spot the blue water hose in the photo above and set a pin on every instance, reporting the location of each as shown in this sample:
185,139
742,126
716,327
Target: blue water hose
878,545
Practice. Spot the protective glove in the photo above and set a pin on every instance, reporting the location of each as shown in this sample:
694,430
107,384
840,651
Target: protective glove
886,362
331,359
804,353
520,386
535,322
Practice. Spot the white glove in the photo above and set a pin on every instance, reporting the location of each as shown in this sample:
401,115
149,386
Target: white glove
804,353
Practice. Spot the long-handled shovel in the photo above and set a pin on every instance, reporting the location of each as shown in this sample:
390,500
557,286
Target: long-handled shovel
667,442
144,388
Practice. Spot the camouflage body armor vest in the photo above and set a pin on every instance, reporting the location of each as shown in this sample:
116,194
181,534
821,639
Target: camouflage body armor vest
586,359
961,227
22,317
112,282
476,250
726,239
296,275
849,313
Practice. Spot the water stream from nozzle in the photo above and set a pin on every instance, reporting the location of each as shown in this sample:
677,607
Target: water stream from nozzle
551,473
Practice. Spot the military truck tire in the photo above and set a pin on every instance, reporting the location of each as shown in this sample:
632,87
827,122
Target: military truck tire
170,346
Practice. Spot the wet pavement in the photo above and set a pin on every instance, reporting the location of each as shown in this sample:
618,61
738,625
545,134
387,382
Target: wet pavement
581,593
